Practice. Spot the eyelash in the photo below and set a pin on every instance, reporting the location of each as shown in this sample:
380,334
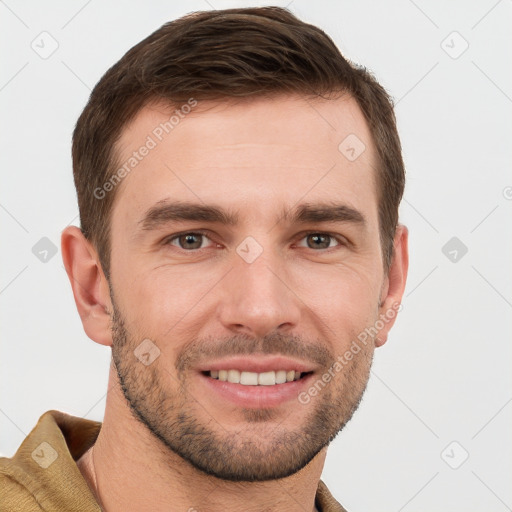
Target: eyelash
341,241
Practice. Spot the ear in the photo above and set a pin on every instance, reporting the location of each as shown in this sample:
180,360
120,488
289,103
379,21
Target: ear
90,287
394,284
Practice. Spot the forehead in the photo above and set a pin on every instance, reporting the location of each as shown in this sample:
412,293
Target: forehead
246,153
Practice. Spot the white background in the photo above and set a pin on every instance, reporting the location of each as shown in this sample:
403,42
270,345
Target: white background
444,374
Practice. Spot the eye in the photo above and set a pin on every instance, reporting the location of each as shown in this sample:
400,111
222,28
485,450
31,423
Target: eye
320,241
188,241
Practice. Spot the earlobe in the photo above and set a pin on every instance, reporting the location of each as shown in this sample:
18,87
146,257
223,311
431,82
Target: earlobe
395,284
89,285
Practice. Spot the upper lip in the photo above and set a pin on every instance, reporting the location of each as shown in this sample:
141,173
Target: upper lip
257,364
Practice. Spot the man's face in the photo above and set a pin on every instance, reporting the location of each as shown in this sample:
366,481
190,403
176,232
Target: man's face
270,293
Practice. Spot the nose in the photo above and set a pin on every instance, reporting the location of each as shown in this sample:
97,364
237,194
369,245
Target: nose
258,298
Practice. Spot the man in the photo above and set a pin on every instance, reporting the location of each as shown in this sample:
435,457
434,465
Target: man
240,252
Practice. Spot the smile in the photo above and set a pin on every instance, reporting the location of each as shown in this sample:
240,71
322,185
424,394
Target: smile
256,380
268,378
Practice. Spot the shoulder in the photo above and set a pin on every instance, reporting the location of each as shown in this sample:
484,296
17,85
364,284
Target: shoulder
325,501
16,497
42,474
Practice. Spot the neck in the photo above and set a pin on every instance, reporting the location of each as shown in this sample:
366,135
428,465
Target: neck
153,477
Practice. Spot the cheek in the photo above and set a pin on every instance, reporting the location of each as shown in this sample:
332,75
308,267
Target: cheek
170,302
161,302
345,297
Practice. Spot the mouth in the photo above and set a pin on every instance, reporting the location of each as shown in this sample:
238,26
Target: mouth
256,382
245,378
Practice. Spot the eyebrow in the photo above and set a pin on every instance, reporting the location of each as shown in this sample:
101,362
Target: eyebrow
166,211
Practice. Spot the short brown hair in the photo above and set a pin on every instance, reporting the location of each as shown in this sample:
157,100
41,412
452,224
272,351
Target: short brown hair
214,55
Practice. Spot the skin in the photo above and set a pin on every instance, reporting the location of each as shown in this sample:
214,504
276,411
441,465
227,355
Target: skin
257,158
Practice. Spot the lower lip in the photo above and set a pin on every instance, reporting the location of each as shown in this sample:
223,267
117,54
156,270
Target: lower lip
257,397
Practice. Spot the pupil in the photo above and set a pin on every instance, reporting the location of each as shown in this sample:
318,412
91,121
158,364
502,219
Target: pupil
189,240
323,239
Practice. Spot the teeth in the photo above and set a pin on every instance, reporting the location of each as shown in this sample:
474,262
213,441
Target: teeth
267,379
281,377
249,378
254,379
234,376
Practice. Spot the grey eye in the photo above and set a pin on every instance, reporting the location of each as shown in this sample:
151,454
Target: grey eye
188,241
319,241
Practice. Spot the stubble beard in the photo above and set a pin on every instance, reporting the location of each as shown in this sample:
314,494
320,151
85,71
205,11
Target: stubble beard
261,449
